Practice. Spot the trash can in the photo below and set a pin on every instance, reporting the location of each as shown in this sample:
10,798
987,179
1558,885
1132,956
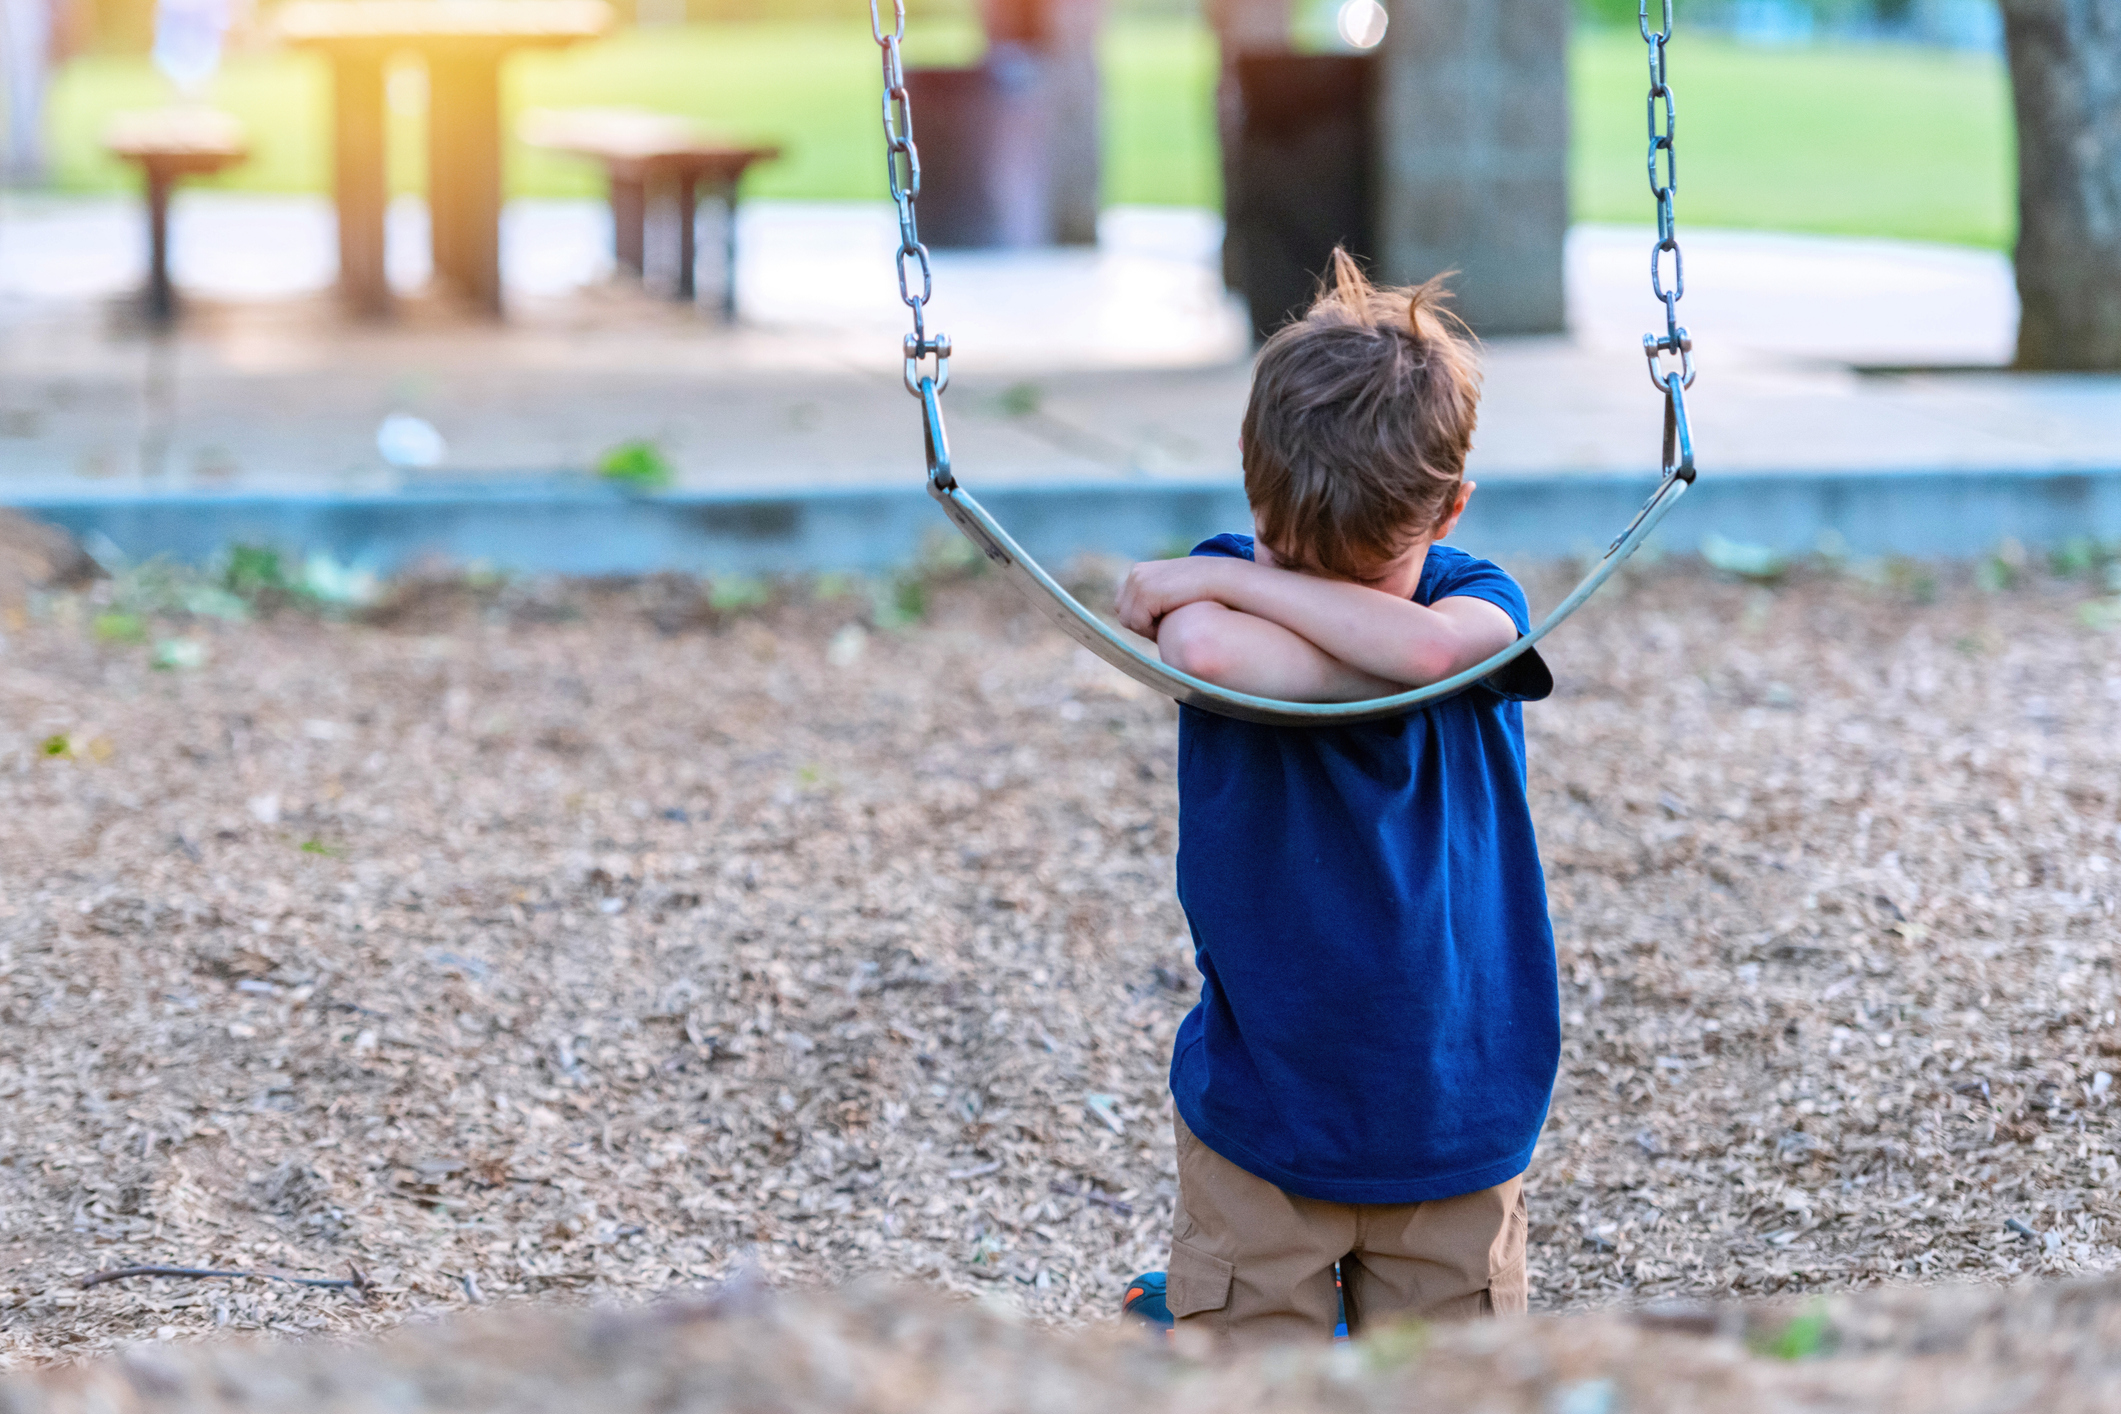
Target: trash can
984,165
1300,180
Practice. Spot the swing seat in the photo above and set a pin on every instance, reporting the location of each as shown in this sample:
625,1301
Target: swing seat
1067,613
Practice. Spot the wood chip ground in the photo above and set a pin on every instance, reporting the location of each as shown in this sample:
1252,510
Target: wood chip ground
585,942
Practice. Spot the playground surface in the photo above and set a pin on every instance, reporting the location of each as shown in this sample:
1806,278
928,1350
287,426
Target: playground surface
537,940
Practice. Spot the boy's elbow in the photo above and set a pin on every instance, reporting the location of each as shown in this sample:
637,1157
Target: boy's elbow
1426,664
1187,641
1432,662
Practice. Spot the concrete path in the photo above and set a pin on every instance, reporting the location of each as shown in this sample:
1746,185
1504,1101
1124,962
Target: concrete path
1122,366
1126,361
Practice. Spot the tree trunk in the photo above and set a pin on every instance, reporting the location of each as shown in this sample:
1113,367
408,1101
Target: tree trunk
2065,60
1242,27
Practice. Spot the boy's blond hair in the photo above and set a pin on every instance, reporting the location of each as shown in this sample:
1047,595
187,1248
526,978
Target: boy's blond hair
1361,415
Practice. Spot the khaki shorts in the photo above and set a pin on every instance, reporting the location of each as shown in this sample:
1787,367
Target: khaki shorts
1252,1262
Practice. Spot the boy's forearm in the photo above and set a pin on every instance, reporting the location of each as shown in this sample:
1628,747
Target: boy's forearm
1388,638
1246,653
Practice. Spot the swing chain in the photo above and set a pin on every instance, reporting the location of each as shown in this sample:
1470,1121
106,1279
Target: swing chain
902,166
1664,181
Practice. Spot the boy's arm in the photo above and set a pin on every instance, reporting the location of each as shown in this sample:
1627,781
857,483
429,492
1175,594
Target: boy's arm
1250,654
1377,635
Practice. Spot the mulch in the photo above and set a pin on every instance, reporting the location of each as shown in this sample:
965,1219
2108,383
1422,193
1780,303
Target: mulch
595,942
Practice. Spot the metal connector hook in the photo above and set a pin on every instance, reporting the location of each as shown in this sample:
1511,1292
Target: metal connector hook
916,349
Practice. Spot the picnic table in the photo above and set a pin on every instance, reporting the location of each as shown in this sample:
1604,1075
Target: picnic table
646,153
462,43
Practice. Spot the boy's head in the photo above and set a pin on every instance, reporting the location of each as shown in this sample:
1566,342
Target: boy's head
1362,413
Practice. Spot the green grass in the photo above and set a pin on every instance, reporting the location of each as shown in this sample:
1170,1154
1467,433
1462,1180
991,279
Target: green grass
1855,140
1160,115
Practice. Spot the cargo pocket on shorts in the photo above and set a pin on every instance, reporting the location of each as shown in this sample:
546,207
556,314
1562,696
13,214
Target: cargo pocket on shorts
1198,1283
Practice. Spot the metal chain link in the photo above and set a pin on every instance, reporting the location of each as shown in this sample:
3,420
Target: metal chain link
1664,181
902,166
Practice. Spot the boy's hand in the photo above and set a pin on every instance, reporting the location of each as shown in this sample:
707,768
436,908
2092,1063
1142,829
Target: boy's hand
1155,588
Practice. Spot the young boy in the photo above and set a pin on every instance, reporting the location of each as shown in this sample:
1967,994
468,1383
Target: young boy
1375,1046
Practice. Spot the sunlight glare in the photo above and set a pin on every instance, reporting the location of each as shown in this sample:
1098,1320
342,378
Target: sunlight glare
1362,23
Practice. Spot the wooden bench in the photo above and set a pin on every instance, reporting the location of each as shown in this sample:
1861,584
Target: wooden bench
169,144
645,153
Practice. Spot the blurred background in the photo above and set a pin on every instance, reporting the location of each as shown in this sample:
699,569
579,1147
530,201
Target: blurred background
1870,117
426,248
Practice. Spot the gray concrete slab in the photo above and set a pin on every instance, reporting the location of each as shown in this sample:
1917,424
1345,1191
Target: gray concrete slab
1117,369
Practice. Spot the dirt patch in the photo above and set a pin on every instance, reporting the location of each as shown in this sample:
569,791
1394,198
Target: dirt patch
525,948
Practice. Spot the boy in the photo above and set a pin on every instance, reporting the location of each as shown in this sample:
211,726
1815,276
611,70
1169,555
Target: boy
1375,1046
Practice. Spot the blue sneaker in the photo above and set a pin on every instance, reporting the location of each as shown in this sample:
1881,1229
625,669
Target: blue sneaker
1145,1301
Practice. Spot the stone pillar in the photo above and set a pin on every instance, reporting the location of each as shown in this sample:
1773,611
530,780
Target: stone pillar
1059,39
1077,101
1472,142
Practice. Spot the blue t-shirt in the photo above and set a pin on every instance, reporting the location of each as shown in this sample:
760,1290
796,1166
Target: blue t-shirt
1380,1017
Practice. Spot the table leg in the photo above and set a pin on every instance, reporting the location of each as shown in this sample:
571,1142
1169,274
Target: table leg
688,234
161,302
464,173
359,176
629,221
